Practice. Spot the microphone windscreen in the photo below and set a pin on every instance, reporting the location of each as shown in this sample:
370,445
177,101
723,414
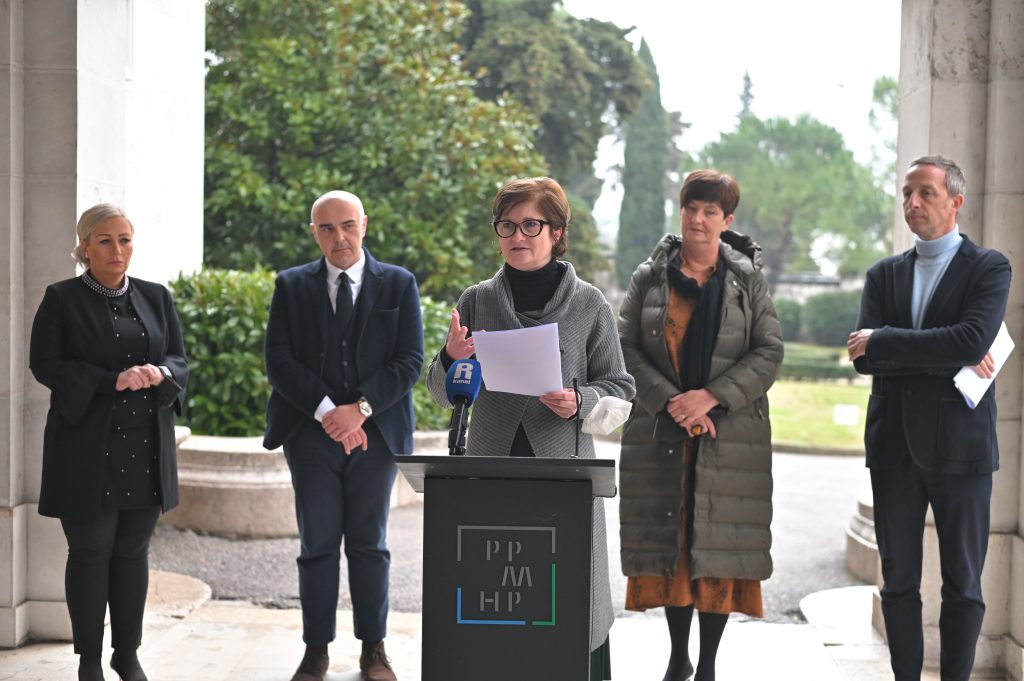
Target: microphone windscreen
463,380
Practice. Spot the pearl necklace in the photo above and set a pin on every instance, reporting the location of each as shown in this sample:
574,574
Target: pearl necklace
99,288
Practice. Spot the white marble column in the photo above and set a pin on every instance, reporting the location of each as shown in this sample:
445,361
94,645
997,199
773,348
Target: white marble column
102,101
962,95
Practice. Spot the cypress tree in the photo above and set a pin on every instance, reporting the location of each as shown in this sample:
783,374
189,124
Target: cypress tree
642,217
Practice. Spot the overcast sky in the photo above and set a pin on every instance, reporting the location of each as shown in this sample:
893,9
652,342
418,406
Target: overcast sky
804,56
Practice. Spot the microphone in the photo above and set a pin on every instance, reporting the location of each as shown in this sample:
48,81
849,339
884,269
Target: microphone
462,385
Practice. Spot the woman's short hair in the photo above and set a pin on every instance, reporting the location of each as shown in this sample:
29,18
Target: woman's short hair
710,185
88,223
550,198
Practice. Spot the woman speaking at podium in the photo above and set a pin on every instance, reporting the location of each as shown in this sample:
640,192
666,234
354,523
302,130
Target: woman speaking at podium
533,287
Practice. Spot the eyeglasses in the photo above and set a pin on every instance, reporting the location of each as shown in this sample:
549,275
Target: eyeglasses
529,227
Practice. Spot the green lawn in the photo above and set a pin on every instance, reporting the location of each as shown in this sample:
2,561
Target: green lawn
803,412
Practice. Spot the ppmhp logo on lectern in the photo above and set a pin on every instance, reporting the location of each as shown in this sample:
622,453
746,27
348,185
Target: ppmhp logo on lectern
508,575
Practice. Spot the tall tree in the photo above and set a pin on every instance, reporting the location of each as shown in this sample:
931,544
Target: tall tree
580,77
642,218
804,197
747,98
883,117
312,95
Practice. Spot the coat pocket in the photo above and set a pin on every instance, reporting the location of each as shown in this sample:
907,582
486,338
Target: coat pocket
963,434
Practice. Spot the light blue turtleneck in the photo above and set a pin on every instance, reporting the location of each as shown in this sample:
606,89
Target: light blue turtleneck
930,264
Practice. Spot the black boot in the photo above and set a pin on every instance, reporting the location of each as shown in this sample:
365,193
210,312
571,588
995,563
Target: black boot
90,668
126,664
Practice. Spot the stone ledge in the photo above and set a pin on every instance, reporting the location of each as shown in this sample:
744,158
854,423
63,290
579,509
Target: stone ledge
233,487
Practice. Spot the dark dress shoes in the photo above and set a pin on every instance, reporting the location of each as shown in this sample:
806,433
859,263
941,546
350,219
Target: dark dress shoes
127,666
90,668
314,664
374,663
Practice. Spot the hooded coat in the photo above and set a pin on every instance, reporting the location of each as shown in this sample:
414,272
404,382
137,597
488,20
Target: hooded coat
731,513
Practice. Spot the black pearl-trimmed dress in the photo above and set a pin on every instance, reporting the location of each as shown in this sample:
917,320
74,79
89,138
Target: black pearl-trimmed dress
132,472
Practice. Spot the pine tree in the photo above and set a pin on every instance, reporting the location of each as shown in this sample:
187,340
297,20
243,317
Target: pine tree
747,97
642,218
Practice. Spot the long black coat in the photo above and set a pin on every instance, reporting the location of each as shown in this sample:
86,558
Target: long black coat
72,352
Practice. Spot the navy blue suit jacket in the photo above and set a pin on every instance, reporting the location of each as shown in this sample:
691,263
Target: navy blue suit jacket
914,408
389,349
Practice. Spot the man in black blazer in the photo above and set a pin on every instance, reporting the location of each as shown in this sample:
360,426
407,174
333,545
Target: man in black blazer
924,314
344,349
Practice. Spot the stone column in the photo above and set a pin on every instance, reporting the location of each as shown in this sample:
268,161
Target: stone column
103,101
962,95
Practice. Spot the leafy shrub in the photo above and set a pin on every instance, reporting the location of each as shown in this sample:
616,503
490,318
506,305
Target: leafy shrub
223,320
436,319
789,317
811,363
830,317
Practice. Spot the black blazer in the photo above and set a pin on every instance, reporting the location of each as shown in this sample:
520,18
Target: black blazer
914,407
72,353
389,352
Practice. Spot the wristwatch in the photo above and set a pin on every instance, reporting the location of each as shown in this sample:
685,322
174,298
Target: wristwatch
166,372
364,407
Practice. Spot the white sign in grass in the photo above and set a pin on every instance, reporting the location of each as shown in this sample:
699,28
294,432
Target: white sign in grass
846,415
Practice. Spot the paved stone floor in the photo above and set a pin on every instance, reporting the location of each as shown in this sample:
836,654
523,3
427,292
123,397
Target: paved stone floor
189,637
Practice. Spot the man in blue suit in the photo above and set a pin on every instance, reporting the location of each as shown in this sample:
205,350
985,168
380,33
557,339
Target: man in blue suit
344,349
924,314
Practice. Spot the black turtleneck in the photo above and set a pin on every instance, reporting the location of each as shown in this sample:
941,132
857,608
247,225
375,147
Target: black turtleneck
532,290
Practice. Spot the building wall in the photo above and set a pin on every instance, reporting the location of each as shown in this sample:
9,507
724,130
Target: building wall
103,101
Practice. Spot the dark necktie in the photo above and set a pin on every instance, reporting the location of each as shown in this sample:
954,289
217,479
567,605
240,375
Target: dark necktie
343,303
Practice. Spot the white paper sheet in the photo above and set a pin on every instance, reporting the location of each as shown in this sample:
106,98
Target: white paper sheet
522,361
971,385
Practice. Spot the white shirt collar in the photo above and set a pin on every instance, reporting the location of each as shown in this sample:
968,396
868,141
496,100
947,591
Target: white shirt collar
355,273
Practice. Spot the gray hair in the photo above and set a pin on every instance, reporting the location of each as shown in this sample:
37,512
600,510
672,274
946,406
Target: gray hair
955,181
87,224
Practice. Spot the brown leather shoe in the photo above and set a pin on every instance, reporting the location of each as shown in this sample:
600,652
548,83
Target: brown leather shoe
374,663
314,665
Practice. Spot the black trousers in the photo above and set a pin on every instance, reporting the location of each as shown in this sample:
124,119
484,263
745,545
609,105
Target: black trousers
108,562
960,504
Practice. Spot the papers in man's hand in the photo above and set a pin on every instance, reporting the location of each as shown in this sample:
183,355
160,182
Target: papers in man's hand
521,361
971,385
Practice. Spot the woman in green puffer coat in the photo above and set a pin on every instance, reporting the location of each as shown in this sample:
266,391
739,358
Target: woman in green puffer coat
701,338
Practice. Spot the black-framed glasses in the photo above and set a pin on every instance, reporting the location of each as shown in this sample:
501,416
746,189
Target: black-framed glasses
529,227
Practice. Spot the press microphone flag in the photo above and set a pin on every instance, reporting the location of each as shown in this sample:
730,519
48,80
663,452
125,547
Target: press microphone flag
461,385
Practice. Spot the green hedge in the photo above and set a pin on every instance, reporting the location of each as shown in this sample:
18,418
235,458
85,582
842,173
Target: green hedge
830,317
224,319
437,317
814,363
789,318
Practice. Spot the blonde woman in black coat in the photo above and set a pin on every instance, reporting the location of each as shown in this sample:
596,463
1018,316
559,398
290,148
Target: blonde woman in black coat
109,348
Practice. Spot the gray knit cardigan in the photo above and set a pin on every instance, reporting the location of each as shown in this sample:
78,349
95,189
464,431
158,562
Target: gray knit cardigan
591,353
732,505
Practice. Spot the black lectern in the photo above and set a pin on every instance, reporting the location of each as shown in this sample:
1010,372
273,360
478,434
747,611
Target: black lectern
506,565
